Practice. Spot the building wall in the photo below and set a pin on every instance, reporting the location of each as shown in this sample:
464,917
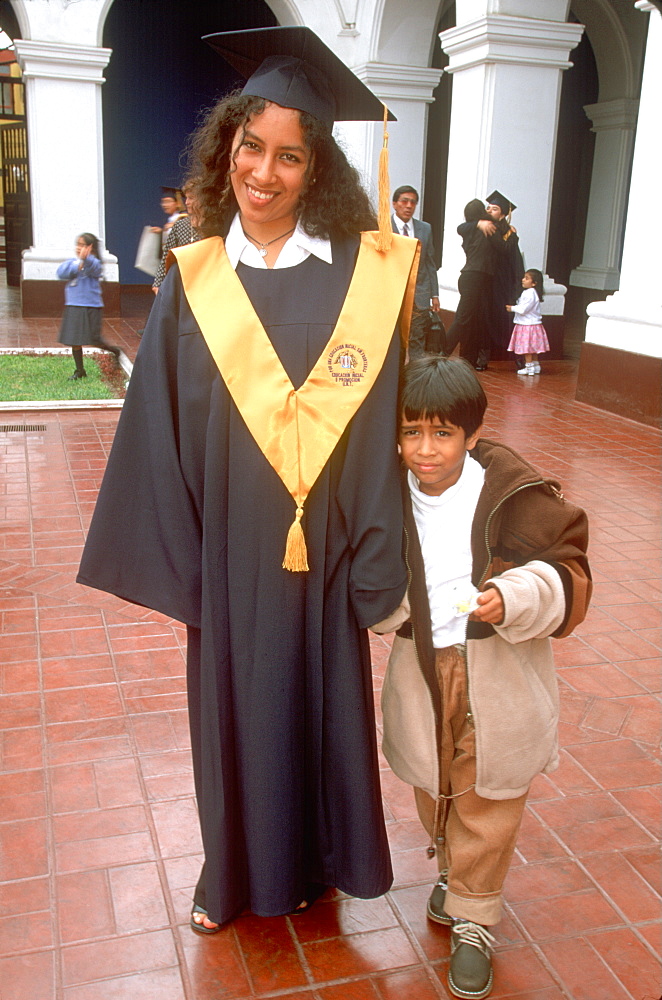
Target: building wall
507,58
159,79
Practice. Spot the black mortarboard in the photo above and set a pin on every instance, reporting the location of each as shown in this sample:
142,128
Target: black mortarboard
292,67
496,198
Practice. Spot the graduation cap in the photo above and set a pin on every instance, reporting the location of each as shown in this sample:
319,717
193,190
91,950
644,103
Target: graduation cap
496,198
292,66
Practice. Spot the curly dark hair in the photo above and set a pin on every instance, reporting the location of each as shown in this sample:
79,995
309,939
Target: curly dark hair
332,202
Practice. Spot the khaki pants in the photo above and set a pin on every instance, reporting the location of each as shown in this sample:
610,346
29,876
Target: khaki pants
475,837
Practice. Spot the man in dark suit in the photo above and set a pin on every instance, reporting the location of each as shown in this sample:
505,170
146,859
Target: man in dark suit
421,336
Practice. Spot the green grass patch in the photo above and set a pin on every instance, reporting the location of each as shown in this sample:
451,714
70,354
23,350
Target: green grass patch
25,377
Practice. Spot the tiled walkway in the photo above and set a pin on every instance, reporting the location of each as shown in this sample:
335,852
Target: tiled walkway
99,838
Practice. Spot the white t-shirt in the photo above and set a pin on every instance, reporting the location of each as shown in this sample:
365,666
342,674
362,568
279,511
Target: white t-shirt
444,530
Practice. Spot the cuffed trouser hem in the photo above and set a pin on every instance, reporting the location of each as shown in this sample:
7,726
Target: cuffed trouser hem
485,910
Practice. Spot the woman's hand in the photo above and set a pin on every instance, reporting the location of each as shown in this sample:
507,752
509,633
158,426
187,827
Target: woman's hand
490,607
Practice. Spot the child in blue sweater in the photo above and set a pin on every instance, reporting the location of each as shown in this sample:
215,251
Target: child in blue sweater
83,304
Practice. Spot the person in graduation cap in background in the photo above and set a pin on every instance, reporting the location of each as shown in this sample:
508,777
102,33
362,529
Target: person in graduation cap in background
185,230
507,274
264,508
472,321
509,270
172,203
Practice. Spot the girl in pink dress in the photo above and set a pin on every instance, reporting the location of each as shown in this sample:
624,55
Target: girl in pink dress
529,337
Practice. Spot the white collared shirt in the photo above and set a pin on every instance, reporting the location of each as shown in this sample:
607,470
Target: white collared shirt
297,249
400,225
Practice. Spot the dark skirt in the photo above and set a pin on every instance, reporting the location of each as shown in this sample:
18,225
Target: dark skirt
81,325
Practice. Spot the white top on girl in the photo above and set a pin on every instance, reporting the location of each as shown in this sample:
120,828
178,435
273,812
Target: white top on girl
526,311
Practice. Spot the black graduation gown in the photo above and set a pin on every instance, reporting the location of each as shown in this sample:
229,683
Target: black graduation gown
279,680
506,287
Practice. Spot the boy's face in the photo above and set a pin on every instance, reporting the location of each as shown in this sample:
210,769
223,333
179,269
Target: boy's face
434,451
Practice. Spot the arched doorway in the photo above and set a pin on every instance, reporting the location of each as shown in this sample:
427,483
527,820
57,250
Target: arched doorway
594,154
159,79
16,227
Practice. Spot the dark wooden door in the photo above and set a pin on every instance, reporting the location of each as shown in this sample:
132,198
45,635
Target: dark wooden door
16,191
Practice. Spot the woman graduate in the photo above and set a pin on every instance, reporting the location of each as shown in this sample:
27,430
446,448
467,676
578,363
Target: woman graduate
259,499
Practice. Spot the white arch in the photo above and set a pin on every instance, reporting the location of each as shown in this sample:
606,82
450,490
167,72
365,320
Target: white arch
405,34
617,38
62,21
286,12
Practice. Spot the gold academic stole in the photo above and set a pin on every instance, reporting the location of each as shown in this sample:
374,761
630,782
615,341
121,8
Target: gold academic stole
297,429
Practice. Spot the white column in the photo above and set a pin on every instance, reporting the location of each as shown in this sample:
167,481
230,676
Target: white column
631,319
504,117
407,92
63,103
614,123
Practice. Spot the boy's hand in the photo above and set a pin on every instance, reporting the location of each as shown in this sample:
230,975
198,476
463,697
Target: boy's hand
490,607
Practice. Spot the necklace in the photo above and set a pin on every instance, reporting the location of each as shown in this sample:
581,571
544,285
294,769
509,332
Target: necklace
263,246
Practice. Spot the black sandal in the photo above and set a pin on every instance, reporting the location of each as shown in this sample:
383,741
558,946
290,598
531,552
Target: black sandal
313,892
200,928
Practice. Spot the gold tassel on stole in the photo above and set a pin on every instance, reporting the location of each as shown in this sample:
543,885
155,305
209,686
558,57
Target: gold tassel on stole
296,553
385,238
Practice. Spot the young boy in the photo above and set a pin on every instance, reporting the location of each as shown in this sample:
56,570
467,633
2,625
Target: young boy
497,562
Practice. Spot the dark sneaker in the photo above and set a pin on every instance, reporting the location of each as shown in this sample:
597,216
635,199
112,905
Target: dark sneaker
470,974
437,900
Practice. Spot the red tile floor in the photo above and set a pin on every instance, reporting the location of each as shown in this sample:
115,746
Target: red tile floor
100,845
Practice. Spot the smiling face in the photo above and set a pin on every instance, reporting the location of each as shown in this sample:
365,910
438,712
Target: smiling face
271,163
434,450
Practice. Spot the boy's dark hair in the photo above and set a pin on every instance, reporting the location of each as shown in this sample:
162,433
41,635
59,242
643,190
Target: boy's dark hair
404,189
443,388
538,281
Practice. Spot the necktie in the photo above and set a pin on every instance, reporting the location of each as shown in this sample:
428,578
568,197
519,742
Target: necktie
405,230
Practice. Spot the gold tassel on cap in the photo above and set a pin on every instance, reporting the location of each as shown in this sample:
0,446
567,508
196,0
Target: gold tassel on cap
385,238
296,554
